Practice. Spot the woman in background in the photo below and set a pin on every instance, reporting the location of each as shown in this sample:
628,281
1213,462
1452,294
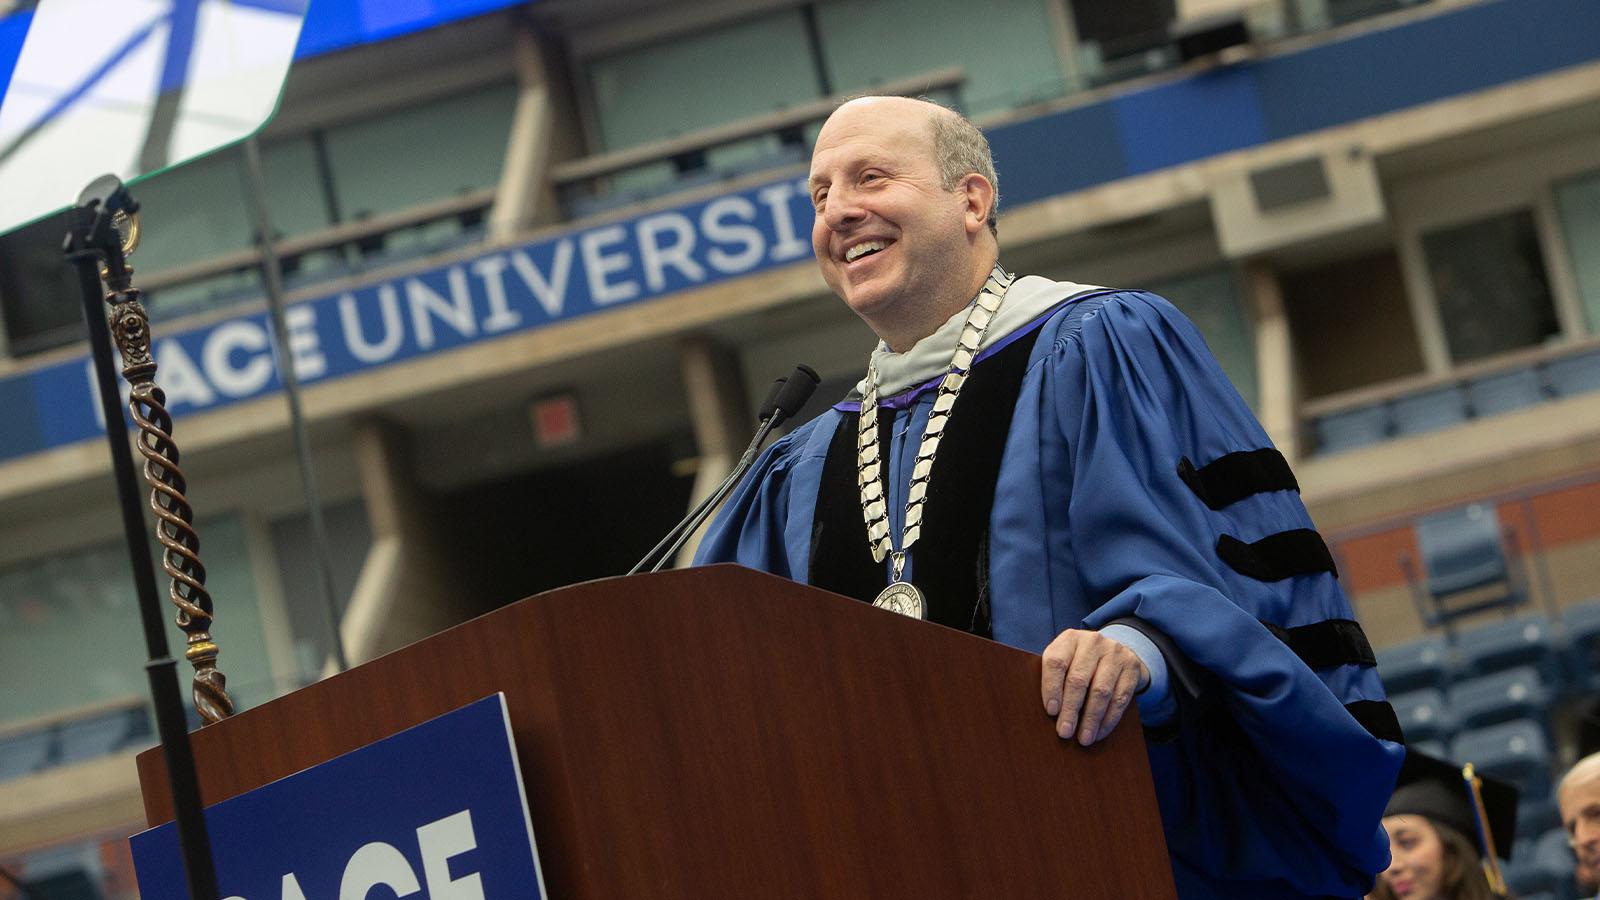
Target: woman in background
1433,830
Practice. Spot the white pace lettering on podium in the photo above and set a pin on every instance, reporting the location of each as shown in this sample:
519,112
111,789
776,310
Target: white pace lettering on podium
378,863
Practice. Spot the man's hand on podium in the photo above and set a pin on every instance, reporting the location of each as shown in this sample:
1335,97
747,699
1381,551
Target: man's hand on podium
1089,680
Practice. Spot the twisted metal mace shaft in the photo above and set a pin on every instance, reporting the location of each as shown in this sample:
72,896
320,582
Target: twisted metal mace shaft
180,544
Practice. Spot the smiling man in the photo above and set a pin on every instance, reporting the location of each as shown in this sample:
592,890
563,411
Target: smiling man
1065,469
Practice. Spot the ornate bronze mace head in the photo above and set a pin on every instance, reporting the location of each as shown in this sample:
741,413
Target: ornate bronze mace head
180,544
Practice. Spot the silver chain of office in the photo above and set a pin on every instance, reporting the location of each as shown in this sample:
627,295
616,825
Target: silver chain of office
900,596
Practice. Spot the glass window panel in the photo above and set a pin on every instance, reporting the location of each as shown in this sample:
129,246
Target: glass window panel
1212,300
204,293
39,293
1578,201
294,188
1010,59
404,158
750,67
192,212
1350,323
349,536
70,634
1490,283
1118,29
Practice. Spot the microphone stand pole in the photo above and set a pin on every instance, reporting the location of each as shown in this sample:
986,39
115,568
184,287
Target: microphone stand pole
255,191
93,242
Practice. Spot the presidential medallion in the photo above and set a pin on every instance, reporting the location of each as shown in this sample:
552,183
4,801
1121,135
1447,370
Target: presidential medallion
904,598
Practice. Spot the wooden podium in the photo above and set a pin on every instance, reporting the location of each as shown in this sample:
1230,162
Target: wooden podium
721,733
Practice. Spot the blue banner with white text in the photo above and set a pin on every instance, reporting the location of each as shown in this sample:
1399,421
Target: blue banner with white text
435,310
436,812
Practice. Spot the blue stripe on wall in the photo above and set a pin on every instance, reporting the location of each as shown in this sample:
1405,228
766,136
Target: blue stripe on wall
1214,112
1053,154
1471,49
1252,103
21,433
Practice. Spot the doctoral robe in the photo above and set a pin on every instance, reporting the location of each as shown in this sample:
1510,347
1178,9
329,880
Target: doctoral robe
1132,484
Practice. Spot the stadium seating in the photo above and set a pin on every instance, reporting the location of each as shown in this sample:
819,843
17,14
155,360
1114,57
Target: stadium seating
1419,664
1516,751
1435,749
1423,714
24,754
1527,878
1582,626
1462,554
1574,374
1505,391
1429,410
1523,641
1351,429
93,737
1551,853
1538,814
1517,693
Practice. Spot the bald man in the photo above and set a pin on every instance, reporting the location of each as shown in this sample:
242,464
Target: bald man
1065,469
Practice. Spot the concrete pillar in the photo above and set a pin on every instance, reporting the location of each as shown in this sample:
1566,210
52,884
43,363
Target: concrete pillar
1280,389
719,412
524,198
405,591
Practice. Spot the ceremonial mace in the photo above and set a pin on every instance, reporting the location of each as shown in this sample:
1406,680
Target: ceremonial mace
104,229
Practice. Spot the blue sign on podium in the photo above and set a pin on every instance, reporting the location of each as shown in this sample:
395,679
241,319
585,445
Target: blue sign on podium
436,812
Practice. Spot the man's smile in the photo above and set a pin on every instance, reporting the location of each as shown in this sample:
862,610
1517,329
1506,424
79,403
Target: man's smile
863,248
860,253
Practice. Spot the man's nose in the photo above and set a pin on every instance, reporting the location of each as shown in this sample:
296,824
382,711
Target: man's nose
841,211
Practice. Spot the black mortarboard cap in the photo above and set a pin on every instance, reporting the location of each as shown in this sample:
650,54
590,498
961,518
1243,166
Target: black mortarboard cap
1437,789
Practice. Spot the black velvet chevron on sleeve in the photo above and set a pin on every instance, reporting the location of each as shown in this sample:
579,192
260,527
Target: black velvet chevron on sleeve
1278,556
1228,479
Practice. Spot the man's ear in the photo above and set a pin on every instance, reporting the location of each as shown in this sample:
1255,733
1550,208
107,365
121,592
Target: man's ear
979,196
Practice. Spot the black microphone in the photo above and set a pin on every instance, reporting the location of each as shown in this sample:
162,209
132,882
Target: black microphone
770,405
787,397
796,390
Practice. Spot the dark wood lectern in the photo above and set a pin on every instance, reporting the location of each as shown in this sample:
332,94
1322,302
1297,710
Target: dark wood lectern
720,733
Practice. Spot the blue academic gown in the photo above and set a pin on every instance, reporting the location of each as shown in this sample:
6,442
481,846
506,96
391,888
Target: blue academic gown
1278,791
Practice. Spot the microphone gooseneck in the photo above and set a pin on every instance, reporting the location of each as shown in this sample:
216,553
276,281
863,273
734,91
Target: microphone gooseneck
785,399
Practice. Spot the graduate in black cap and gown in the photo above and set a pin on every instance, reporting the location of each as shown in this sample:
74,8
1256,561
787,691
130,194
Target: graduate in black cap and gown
1444,837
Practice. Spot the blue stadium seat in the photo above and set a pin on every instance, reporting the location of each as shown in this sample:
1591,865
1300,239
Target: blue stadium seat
1351,429
1516,751
1517,693
1574,374
1523,641
1581,623
1419,664
94,737
1538,814
1435,749
1552,853
24,754
141,730
1527,878
1503,392
1429,410
1465,566
1423,714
